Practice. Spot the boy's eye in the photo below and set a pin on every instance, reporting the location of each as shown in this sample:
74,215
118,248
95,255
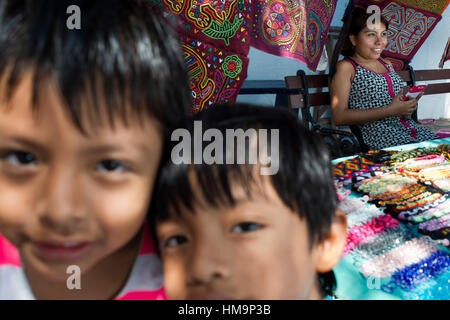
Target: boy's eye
246,227
19,158
174,241
110,166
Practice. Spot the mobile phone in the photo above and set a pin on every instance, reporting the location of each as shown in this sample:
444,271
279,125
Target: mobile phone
414,92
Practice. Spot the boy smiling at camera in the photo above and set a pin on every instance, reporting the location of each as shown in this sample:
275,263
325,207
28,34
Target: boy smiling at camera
226,232
83,117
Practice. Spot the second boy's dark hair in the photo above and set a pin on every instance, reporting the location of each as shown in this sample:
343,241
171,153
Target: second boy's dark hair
123,54
304,181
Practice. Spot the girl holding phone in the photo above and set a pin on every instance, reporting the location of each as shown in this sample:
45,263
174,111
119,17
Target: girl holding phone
367,92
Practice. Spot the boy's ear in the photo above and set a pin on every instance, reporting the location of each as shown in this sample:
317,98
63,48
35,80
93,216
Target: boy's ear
328,252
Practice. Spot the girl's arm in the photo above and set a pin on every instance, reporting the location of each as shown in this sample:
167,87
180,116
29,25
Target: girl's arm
339,93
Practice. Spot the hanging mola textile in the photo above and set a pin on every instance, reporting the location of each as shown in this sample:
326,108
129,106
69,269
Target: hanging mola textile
216,36
410,23
293,29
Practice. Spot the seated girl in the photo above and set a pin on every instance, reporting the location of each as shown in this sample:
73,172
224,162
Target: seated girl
367,92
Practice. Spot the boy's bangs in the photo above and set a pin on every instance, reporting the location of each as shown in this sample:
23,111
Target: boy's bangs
211,186
123,62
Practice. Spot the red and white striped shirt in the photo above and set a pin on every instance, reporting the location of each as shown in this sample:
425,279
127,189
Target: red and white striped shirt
145,281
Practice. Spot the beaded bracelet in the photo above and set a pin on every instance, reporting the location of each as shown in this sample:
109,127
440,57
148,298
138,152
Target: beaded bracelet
405,155
425,208
435,224
417,164
382,243
387,186
435,289
406,194
409,277
386,264
441,171
427,215
412,197
363,215
442,184
417,203
362,234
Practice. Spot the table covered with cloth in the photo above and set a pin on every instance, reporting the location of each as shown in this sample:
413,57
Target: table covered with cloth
397,203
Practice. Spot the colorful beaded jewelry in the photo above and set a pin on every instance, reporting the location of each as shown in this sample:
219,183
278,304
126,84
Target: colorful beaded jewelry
411,276
436,224
363,234
428,206
435,289
381,244
433,213
404,198
350,205
363,215
437,172
387,186
432,197
412,166
442,184
413,251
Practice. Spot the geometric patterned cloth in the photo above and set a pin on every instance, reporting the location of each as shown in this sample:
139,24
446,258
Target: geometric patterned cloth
297,29
215,37
410,23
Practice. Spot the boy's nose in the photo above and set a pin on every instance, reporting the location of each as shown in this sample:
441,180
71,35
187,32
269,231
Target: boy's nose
59,208
208,262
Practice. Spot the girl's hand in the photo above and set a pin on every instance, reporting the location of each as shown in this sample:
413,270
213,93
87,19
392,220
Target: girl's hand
400,108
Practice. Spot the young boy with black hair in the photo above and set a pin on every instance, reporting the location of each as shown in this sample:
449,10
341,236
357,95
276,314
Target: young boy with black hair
224,231
84,114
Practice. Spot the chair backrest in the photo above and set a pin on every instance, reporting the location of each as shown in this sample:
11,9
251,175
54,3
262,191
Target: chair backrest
429,75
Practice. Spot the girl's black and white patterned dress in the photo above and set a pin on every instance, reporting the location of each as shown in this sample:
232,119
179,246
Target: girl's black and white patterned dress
371,90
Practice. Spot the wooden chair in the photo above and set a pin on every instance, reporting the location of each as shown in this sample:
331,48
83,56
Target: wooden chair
341,142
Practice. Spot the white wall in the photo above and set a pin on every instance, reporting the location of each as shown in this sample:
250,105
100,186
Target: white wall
265,66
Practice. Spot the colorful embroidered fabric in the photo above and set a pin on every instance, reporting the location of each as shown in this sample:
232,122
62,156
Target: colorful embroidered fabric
216,41
436,6
297,29
410,23
216,74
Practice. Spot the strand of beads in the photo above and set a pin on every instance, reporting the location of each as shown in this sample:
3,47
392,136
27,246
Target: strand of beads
434,289
413,251
424,209
382,243
417,203
411,276
363,215
435,224
414,165
436,210
441,171
363,234
350,205
442,184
